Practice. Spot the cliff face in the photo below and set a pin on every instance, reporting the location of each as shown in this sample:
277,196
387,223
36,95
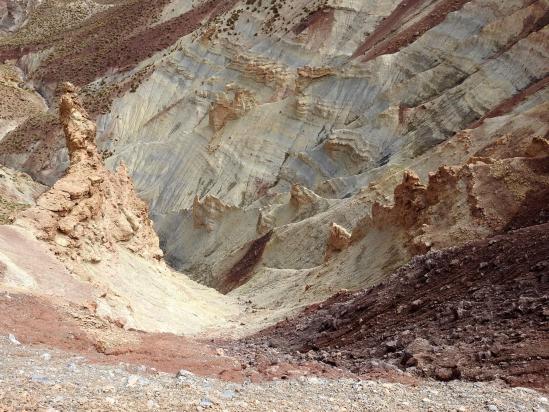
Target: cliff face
288,125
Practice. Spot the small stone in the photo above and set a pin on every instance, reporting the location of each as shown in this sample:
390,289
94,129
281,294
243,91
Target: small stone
416,304
228,394
220,352
313,380
40,379
62,241
95,179
136,379
538,267
109,389
484,355
445,374
205,403
184,375
46,356
13,340
391,346
492,408
94,258
110,401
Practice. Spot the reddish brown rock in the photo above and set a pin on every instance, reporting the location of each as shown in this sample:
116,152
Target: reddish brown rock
338,239
90,209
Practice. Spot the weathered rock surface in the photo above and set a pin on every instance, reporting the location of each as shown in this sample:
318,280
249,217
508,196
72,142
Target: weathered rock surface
90,209
339,239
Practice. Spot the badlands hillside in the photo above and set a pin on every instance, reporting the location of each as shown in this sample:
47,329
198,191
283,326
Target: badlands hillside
277,205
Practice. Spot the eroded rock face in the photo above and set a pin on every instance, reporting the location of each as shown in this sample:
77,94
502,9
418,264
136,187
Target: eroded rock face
409,201
338,240
96,225
460,203
206,212
90,209
225,109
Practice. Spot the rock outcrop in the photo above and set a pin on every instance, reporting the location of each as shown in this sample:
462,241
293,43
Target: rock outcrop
301,197
90,209
462,203
206,212
106,256
225,109
284,117
338,240
306,74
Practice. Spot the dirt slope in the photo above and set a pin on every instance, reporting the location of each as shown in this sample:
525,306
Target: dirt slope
475,312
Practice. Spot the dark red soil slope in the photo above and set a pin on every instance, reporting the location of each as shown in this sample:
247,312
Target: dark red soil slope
389,37
476,312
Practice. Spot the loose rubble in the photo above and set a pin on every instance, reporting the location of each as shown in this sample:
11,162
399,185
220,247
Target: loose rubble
29,382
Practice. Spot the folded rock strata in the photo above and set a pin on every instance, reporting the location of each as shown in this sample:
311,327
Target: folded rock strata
287,116
225,109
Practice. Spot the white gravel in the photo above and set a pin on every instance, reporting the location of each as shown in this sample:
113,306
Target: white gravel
31,381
